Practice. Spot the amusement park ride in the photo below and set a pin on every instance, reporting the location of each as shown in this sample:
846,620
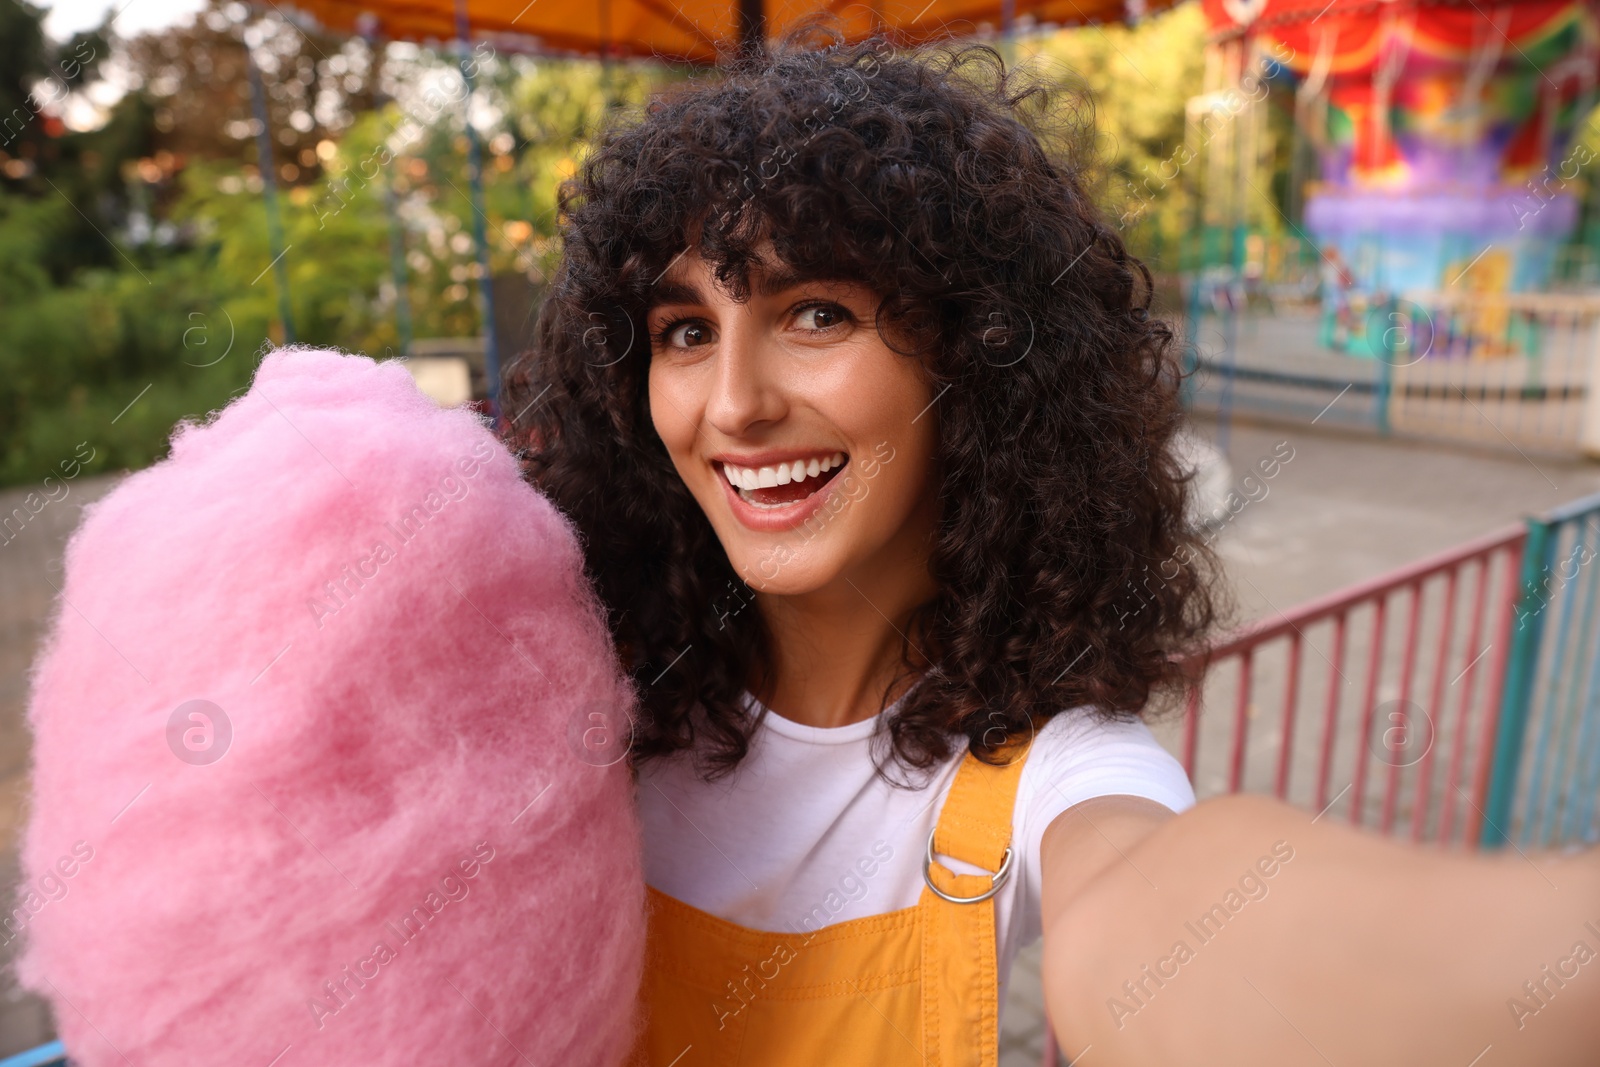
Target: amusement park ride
1435,145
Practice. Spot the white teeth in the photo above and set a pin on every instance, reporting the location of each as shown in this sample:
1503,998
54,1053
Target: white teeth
749,478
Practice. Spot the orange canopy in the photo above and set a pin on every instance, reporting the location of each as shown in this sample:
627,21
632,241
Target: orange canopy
687,30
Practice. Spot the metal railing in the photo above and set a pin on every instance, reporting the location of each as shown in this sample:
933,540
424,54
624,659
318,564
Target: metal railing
1398,678
1493,367
1505,369
1547,759
1476,702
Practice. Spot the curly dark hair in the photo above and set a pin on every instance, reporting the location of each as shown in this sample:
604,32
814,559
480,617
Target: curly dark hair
1068,573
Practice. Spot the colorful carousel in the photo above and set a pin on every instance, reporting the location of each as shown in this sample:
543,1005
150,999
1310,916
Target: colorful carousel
1435,145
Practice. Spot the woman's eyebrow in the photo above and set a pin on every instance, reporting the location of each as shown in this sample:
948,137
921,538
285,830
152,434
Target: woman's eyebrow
675,293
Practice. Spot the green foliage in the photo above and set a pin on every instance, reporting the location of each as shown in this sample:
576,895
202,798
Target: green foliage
113,344
1139,80
143,335
114,359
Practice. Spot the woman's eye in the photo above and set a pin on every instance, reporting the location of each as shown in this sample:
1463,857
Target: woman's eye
822,316
689,334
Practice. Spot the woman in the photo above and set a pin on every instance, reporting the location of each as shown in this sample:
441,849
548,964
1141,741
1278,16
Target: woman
858,406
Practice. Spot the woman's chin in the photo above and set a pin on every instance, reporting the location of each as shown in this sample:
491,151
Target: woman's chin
784,569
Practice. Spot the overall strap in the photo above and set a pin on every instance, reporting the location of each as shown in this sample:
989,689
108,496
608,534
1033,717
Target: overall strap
975,823
960,969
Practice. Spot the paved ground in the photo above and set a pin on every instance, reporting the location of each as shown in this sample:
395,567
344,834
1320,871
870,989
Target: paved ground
1342,509
30,569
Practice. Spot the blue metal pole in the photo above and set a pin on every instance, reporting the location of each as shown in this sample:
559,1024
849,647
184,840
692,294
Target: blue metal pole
397,237
1230,329
1518,687
1195,238
397,268
1581,812
269,190
491,353
1579,799
1547,720
1580,809
1191,329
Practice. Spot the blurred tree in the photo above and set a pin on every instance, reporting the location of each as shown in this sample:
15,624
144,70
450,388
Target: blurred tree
39,158
1139,80
35,76
195,78
188,99
536,119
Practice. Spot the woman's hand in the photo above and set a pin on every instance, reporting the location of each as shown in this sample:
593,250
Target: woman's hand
1246,932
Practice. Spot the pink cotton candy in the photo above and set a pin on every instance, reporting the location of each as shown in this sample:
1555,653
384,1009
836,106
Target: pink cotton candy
426,727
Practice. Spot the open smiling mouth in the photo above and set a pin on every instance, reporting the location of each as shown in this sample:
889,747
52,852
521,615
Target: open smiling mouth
783,485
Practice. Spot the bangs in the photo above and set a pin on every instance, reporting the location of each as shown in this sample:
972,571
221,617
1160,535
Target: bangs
816,187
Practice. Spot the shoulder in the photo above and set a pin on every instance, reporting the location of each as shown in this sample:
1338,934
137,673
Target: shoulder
1078,755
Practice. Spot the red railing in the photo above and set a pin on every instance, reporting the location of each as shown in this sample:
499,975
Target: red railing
1473,590
1448,637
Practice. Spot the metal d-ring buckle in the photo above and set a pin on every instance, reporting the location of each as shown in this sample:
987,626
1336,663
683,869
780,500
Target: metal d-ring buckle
996,880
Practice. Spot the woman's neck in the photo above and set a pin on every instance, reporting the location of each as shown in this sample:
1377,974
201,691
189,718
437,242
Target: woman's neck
836,649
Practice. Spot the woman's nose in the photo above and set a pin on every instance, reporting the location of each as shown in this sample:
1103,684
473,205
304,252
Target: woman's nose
745,390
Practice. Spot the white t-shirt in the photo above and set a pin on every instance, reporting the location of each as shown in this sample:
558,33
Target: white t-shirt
803,833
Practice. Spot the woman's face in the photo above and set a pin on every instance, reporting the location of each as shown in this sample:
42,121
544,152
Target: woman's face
805,439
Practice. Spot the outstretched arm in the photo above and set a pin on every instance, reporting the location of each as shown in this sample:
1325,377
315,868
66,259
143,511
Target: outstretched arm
1246,932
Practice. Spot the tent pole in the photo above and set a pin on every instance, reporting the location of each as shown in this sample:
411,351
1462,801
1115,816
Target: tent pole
752,25
491,355
269,193
605,55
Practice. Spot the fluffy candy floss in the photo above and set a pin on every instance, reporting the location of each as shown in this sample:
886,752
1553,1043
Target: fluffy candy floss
327,752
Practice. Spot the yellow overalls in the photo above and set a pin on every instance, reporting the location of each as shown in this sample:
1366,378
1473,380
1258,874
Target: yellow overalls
917,987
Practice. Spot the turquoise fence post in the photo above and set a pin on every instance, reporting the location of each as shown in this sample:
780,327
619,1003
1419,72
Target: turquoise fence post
269,190
1518,687
1191,340
397,267
1386,351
